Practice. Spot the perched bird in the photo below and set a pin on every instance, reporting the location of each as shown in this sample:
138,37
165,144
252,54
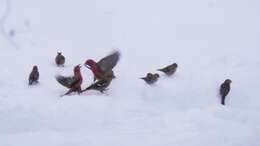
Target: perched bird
60,59
72,82
151,78
100,85
34,76
102,69
170,69
224,90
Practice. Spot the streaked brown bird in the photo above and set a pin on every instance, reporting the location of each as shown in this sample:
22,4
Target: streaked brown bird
170,69
34,76
60,59
100,85
102,69
73,82
151,78
224,90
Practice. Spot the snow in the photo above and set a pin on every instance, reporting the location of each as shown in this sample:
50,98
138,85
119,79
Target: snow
211,40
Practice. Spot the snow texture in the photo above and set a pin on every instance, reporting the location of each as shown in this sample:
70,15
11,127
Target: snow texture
211,40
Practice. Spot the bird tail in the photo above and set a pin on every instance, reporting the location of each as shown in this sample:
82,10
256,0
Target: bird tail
99,86
223,100
160,70
89,87
143,78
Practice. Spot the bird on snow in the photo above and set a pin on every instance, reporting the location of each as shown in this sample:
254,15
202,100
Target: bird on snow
72,82
151,78
100,85
224,90
170,69
34,76
60,59
102,69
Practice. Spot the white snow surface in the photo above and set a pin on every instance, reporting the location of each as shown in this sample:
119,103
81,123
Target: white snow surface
211,40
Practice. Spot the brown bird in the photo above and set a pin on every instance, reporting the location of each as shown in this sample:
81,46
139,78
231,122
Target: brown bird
72,82
170,69
102,69
60,59
34,76
151,78
100,85
224,90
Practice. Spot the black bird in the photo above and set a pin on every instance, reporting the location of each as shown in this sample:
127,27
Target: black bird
60,59
170,69
100,85
34,76
151,78
224,90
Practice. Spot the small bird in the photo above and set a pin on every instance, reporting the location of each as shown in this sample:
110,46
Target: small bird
102,69
100,85
224,90
170,69
72,82
34,76
151,78
60,59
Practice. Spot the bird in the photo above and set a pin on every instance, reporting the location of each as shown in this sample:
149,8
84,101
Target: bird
34,76
72,82
100,85
170,69
151,78
224,90
60,59
102,69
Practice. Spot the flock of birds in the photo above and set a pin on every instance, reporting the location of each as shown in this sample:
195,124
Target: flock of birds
103,75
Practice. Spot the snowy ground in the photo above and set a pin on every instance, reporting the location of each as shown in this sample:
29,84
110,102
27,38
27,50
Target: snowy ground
211,40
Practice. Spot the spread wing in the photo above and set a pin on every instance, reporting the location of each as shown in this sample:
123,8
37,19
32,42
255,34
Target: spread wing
68,82
109,62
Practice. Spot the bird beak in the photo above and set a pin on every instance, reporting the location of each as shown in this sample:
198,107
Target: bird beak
79,65
87,66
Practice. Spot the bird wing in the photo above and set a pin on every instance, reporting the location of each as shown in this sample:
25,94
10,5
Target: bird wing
34,75
109,62
68,82
223,90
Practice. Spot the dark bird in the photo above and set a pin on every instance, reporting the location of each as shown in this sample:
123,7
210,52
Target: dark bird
102,69
34,76
72,82
60,59
170,69
100,85
224,90
151,78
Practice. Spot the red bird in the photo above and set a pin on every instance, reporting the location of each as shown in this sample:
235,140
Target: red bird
102,69
72,82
